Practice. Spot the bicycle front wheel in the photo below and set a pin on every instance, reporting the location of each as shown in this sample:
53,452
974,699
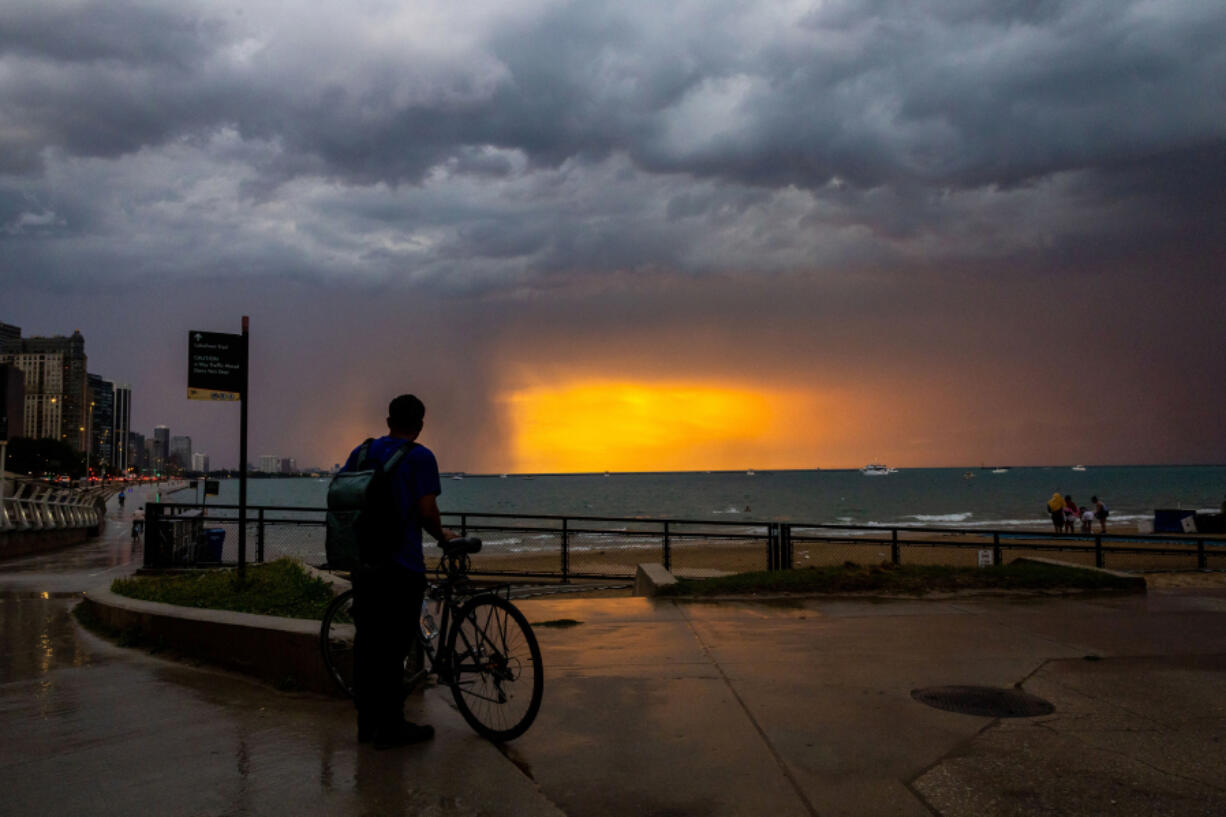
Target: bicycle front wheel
336,641
495,668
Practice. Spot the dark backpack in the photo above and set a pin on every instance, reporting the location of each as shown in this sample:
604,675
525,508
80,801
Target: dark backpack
364,522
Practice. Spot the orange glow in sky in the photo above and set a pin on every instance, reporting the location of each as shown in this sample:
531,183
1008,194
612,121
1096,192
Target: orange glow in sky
588,426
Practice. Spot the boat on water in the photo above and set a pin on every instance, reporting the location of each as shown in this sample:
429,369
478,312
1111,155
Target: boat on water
876,469
1079,468
1000,470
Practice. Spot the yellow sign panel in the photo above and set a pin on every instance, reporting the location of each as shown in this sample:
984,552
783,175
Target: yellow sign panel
216,396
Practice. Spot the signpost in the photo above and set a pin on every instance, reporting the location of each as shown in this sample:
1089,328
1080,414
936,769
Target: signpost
217,371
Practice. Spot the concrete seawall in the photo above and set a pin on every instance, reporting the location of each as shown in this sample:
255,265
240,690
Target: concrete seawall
282,651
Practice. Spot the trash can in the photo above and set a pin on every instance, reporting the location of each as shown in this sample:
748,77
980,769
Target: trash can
214,540
1170,520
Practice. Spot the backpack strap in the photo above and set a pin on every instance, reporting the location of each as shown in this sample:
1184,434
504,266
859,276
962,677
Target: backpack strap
363,454
393,461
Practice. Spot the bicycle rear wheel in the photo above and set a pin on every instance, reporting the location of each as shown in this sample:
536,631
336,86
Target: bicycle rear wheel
336,641
495,670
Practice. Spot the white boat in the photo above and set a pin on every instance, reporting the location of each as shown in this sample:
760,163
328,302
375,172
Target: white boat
876,469
1000,470
1079,468
749,473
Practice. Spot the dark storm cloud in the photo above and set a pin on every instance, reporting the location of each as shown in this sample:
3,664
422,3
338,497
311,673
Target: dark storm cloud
872,185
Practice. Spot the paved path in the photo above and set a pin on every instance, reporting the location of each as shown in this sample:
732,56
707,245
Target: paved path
795,708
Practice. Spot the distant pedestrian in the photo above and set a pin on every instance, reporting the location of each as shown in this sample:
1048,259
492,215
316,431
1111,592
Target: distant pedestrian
1055,507
1100,513
138,525
121,500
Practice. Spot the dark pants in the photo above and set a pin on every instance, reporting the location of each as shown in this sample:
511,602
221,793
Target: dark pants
387,606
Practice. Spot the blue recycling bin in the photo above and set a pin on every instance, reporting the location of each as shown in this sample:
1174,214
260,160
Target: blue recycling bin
1170,520
214,541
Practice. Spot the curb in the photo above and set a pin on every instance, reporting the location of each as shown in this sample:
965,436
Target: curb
1134,578
282,651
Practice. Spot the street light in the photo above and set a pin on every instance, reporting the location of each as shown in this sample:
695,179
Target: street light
89,433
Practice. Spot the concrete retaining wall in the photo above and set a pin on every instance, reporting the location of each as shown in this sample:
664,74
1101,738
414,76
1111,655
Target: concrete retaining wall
16,543
282,651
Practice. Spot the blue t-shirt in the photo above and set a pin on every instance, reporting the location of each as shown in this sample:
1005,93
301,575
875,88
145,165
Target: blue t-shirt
417,476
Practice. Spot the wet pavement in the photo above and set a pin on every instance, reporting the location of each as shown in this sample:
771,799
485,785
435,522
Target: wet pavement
652,708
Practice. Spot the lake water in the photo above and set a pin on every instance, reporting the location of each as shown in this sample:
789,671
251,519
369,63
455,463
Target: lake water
941,497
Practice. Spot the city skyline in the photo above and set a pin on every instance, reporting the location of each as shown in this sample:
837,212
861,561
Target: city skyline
637,237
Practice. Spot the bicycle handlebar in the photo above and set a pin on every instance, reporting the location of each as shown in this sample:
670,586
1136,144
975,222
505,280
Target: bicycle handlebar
461,546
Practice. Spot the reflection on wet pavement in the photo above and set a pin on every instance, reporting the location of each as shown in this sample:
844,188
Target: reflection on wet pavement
92,728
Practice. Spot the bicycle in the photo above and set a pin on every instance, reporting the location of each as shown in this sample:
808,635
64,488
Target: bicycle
489,659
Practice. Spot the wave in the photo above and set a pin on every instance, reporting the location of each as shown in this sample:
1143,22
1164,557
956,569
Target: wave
941,517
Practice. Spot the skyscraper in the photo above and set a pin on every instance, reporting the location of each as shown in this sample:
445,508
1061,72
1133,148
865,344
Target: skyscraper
12,402
159,455
56,384
102,422
180,452
137,457
121,432
200,462
8,333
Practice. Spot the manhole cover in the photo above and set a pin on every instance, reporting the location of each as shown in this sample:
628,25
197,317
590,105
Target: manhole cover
988,702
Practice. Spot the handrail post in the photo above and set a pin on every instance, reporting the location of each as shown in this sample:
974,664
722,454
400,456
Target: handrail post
1201,562
259,538
895,550
1098,550
997,557
565,552
463,524
668,560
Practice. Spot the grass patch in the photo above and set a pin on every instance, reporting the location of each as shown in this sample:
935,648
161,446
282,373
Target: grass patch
280,588
911,580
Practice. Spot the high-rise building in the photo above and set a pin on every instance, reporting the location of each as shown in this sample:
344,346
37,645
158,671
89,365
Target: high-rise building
200,462
138,457
270,464
102,422
159,455
180,452
288,466
8,333
12,402
122,428
56,385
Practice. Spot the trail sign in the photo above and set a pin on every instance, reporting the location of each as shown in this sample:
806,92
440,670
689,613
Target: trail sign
216,366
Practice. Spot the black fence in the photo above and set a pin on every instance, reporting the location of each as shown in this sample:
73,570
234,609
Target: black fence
594,547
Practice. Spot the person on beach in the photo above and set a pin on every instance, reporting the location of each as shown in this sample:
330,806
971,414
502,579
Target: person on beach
1087,519
1071,514
1100,513
1055,507
387,596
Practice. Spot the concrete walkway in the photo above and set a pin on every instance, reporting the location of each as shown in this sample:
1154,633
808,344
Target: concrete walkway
651,708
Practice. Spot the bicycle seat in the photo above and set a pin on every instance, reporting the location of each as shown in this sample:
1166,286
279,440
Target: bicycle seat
463,545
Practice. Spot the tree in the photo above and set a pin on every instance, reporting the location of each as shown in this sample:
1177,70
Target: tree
44,457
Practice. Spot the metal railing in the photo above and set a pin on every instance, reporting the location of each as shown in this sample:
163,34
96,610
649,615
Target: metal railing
36,506
563,548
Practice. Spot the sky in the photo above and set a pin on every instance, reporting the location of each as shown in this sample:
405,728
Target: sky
636,236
